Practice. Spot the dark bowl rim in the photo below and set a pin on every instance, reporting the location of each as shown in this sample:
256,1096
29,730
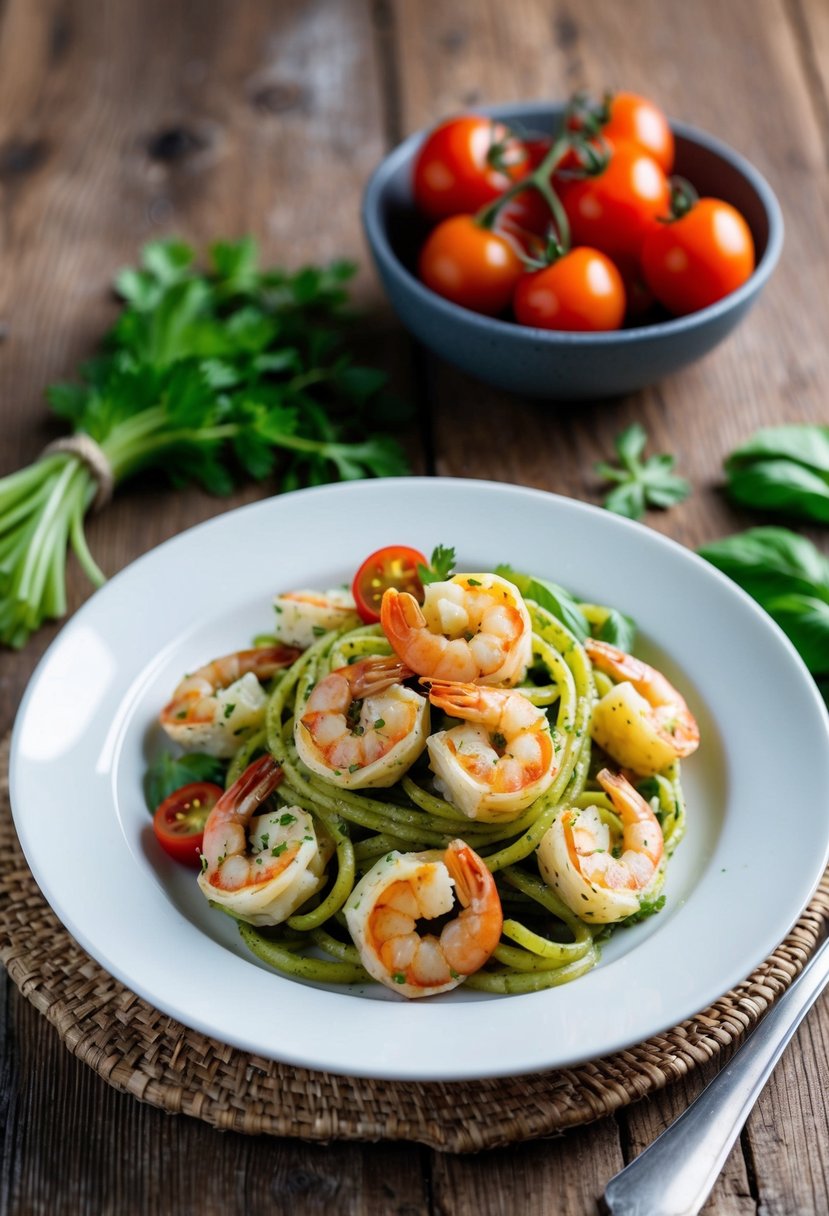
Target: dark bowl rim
640,334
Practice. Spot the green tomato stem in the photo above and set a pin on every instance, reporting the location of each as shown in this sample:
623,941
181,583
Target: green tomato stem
539,180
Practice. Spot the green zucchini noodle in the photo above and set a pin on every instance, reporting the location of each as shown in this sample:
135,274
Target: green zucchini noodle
543,942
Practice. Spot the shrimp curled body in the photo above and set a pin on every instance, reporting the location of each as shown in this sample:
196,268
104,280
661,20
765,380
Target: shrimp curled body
260,867
361,727
473,628
643,722
383,910
576,858
499,759
218,707
304,616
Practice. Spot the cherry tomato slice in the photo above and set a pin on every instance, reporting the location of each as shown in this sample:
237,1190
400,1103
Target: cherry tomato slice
179,821
392,566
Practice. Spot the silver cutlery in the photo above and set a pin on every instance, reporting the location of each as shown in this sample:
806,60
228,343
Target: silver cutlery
675,1174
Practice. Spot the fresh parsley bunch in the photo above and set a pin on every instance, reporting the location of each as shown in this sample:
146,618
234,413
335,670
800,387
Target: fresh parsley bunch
210,376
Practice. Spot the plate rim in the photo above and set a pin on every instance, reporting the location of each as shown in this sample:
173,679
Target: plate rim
400,1071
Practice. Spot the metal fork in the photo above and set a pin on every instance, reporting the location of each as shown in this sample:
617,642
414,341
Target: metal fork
675,1174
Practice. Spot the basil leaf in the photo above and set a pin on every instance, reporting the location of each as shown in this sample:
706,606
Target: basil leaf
805,620
168,773
801,442
788,576
770,561
783,468
781,485
549,596
619,630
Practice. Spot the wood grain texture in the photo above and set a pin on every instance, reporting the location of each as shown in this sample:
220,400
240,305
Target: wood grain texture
206,118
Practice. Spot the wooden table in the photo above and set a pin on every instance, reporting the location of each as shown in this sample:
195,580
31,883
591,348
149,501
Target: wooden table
125,121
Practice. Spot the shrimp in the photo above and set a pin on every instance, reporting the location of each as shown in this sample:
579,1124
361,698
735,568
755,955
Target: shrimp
500,759
642,722
383,910
576,858
361,727
473,628
303,616
218,707
261,867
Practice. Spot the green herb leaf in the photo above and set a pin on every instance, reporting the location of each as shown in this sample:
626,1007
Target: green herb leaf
618,629
638,485
783,468
209,376
441,565
550,596
789,577
168,773
648,907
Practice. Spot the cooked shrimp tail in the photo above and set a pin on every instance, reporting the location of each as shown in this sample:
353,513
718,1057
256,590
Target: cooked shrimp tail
473,628
302,616
577,856
261,867
361,726
219,706
500,759
383,912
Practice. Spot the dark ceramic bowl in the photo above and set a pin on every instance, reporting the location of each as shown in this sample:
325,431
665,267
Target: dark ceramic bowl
556,365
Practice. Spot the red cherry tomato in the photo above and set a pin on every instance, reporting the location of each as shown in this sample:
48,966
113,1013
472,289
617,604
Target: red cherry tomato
392,566
179,821
613,210
582,290
695,260
465,163
470,265
639,121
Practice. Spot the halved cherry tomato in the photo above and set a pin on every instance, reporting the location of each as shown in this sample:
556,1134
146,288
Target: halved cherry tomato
179,821
465,163
695,260
613,210
470,265
582,290
392,566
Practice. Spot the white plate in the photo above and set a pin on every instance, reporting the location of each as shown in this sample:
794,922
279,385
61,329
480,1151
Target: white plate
758,789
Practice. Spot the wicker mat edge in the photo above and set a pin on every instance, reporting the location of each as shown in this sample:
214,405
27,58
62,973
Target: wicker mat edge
147,1054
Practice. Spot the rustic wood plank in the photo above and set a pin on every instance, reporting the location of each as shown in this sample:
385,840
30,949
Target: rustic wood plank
788,1130
125,1156
565,1175
810,25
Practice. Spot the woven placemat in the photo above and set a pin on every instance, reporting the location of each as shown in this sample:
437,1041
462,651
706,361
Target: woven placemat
145,1053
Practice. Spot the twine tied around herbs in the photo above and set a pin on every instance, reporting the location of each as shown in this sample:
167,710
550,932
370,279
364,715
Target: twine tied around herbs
91,454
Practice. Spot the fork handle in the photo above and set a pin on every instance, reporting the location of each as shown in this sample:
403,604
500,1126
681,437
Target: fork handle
675,1174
